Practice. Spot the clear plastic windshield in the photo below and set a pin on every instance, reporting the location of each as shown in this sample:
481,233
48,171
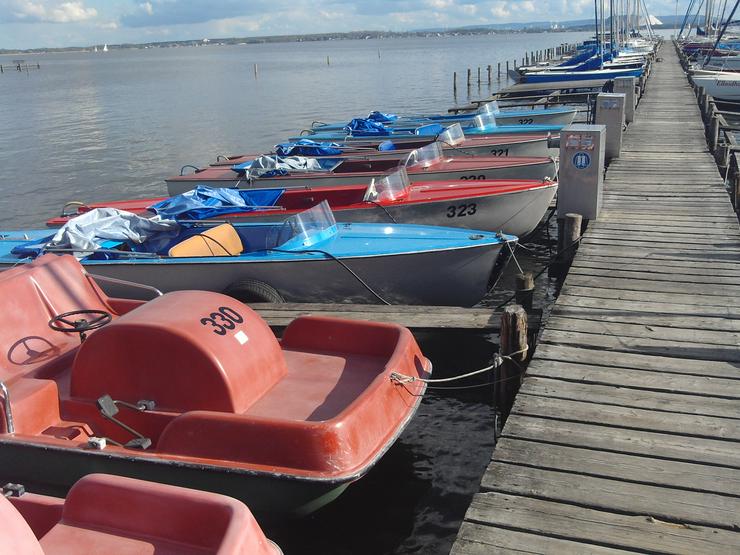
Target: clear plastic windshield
488,108
482,121
389,187
308,228
453,135
425,156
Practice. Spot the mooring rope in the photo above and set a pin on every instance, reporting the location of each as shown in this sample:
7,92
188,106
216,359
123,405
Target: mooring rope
498,360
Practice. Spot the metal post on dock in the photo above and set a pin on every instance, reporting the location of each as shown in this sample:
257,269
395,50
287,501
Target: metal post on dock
513,346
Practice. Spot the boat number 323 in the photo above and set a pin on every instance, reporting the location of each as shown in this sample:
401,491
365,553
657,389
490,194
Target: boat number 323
461,210
222,320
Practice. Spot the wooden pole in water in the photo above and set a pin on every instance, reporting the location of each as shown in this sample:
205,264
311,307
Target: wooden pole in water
255,71
327,60
479,75
507,68
512,344
489,74
499,69
524,293
454,82
469,72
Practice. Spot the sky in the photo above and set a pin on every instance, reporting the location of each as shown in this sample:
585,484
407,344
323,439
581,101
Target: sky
61,23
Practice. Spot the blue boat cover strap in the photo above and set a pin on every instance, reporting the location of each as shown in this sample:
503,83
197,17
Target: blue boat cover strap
307,147
381,117
204,202
360,127
431,129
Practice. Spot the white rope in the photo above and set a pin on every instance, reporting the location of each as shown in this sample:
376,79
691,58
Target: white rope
508,244
498,360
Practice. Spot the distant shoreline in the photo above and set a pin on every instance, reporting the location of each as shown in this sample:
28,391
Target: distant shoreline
354,35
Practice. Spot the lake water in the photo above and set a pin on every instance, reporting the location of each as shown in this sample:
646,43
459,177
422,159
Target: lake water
110,126
113,125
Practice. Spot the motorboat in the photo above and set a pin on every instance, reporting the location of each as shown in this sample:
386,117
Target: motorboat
509,116
192,389
105,514
305,258
429,163
514,206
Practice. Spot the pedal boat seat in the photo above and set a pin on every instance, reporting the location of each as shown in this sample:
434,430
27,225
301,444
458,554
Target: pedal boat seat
222,240
113,514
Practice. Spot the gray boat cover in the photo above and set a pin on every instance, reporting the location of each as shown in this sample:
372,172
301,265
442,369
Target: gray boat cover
266,166
89,231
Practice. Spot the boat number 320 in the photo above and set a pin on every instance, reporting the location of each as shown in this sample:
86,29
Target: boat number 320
461,210
222,320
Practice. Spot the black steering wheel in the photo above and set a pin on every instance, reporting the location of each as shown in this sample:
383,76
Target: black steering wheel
80,325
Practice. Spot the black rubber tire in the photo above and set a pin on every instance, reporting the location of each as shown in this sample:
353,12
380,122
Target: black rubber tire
253,291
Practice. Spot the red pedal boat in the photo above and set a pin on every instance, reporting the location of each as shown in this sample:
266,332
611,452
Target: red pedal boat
192,388
110,515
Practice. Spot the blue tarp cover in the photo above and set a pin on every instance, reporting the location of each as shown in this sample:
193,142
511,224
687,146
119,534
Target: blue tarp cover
431,129
381,117
204,202
360,127
307,147
386,145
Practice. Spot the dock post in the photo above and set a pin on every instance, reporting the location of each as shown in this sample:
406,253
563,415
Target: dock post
513,344
468,77
454,82
489,74
499,69
478,75
570,235
255,71
507,68
524,293
714,132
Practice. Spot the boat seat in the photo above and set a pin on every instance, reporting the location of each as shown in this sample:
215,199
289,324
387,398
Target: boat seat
222,240
18,537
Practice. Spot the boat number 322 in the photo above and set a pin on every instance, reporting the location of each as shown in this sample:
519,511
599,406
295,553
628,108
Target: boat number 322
526,121
222,320
461,210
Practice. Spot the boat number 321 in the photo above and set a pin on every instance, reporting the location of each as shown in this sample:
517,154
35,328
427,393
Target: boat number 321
461,210
222,320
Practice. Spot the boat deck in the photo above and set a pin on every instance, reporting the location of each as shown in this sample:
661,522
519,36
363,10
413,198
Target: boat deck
625,434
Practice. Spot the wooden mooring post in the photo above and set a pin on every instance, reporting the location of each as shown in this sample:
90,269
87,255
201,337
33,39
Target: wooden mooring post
569,233
524,292
469,72
513,346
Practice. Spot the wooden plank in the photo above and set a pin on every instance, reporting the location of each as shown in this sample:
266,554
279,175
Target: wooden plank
644,273
729,293
638,361
708,427
686,476
590,435
644,345
678,506
656,267
651,328
575,523
704,387
474,539
710,302
649,319
642,398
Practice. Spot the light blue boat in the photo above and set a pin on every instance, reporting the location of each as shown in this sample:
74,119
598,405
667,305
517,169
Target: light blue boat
306,258
363,131
566,77
537,116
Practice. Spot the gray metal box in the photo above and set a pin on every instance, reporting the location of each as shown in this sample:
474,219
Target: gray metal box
610,112
626,86
581,175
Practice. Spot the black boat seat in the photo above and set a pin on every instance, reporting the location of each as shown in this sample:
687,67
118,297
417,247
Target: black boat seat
222,240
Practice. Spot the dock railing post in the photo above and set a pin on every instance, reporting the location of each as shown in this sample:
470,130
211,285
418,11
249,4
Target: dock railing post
714,132
513,346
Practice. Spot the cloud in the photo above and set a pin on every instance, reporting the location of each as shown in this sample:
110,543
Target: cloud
188,12
28,11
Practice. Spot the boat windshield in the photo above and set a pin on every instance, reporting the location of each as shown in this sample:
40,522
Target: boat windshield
303,230
453,135
425,156
389,187
488,108
484,121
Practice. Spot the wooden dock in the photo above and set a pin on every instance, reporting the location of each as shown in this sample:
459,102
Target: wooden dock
625,435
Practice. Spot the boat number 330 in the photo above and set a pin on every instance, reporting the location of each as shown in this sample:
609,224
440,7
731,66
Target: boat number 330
461,210
222,320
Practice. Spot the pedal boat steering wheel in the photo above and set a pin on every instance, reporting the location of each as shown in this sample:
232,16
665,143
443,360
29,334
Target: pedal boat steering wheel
64,323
